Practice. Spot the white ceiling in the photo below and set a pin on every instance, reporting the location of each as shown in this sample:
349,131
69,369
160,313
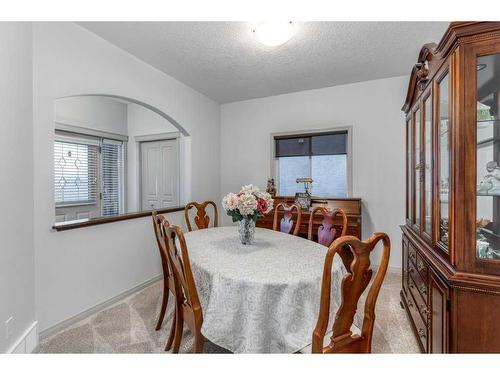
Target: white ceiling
224,61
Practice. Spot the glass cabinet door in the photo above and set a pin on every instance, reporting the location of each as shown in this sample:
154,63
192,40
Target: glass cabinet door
427,165
488,157
409,147
417,166
442,93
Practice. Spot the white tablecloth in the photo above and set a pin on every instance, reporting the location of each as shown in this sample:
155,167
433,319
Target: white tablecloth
260,298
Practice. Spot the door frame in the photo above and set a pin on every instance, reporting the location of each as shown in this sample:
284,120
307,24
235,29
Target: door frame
139,140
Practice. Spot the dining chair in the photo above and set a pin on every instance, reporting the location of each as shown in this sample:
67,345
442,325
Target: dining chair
353,285
159,223
326,230
187,303
202,220
286,222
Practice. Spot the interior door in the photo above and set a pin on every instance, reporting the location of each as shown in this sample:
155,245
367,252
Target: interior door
159,174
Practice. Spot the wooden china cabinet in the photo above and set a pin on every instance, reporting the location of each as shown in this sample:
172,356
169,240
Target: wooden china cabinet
451,238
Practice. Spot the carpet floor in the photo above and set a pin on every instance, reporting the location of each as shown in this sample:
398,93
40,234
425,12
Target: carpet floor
128,326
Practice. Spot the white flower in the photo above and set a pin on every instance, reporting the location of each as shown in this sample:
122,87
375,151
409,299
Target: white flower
230,201
249,189
247,204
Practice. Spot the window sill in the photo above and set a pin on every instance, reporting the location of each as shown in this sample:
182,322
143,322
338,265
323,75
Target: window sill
74,224
76,204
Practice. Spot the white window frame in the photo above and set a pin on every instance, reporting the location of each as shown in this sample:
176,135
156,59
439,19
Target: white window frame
274,166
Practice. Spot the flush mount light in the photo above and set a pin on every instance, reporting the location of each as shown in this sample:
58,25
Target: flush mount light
273,34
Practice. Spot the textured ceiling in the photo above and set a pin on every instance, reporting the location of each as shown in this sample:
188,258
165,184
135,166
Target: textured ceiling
224,61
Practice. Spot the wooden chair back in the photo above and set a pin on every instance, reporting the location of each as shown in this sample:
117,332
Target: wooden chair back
159,222
326,230
353,285
286,223
178,257
202,220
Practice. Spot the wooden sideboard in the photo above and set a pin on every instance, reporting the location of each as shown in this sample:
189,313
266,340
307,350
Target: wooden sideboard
351,206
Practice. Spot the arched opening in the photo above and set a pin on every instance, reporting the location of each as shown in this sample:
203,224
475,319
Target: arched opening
115,155
141,103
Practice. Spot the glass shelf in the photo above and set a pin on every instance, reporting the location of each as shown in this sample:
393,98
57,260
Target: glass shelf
487,141
488,159
488,244
443,159
487,195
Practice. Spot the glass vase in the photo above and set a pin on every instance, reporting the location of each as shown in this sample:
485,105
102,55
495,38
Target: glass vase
246,230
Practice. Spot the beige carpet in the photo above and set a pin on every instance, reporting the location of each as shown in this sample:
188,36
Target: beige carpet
128,327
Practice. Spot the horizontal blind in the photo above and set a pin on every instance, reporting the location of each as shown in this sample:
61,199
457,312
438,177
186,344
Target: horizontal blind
112,165
75,171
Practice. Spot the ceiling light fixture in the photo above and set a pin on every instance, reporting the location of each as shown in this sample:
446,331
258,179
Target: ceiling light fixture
273,34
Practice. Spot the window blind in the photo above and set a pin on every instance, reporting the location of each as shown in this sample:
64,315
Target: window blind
334,143
112,165
297,146
75,171
329,144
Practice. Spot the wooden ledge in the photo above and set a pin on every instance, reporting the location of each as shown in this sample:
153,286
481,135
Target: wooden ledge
74,224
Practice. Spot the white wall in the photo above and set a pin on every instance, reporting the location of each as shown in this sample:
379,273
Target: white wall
141,121
373,110
79,268
93,112
17,272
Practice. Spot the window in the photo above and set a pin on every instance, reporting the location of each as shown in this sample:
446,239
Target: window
112,166
75,170
321,156
88,171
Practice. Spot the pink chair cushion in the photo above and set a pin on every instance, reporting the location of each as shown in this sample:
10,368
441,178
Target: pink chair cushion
326,231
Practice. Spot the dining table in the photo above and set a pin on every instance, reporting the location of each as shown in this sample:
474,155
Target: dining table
263,297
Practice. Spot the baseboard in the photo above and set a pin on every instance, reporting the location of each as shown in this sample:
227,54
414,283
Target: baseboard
390,269
56,328
27,342
394,269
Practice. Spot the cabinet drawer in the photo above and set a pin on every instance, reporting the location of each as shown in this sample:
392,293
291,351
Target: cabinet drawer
420,325
421,266
412,253
405,265
420,283
420,303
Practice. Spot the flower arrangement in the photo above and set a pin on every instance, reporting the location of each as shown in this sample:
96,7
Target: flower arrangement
250,203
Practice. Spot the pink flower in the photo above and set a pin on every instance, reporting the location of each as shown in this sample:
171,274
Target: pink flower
261,205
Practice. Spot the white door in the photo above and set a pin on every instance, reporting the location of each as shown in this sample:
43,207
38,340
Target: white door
159,174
